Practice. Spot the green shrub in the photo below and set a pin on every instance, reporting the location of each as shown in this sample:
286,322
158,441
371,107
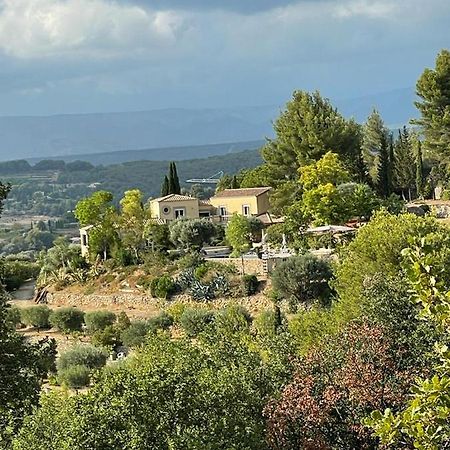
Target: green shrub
162,287
190,261
98,320
123,321
201,271
135,334
251,284
303,279
268,322
74,377
83,355
13,316
233,319
109,337
36,316
162,321
67,319
176,310
196,320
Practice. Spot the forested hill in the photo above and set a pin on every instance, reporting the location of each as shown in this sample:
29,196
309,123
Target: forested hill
156,154
54,187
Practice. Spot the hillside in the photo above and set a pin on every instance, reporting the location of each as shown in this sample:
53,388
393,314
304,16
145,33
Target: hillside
158,154
54,192
180,132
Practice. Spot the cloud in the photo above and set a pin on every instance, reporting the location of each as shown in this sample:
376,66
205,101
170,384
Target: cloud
85,28
366,8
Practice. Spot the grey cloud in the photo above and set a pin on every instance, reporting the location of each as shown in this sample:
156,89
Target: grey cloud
240,6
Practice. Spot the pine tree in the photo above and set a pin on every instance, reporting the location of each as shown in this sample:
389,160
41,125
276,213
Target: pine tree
176,181
383,183
434,106
419,171
165,187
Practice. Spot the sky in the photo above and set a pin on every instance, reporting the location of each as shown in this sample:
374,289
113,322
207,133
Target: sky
77,56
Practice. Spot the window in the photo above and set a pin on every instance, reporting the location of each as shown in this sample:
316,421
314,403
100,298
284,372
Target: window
204,214
179,212
246,210
222,211
84,240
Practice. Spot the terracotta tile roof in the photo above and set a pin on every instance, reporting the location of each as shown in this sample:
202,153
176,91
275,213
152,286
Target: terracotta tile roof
268,219
173,198
244,192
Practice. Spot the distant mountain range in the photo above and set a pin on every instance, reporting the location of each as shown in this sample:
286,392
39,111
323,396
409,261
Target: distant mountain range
159,154
169,133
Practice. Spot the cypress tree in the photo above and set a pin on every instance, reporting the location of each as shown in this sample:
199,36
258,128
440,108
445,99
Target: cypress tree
234,182
171,180
419,171
404,163
383,184
165,187
176,181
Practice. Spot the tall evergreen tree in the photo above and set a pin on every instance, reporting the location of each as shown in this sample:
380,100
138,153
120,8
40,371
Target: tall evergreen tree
165,187
404,163
171,179
375,135
384,168
420,182
433,87
234,183
176,180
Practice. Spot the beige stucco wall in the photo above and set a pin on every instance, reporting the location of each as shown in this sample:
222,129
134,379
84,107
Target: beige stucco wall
235,204
190,206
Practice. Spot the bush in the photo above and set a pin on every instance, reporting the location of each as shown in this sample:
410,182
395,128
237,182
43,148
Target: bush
109,337
162,287
268,322
251,284
36,316
196,320
67,319
233,319
98,320
162,321
176,310
302,279
74,377
13,316
83,355
135,334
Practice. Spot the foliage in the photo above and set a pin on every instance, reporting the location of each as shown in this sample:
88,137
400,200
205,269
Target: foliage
434,106
163,321
23,367
157,235
74,376
302,280
196,320
82,355
404,163
375,134
108,337
67,319
251,284
35,316
308,128
269,322
334,386
173,394
376,248
98,320
162,287
232,319
14,273
192,234
424,423
12,316
135,334
239,234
